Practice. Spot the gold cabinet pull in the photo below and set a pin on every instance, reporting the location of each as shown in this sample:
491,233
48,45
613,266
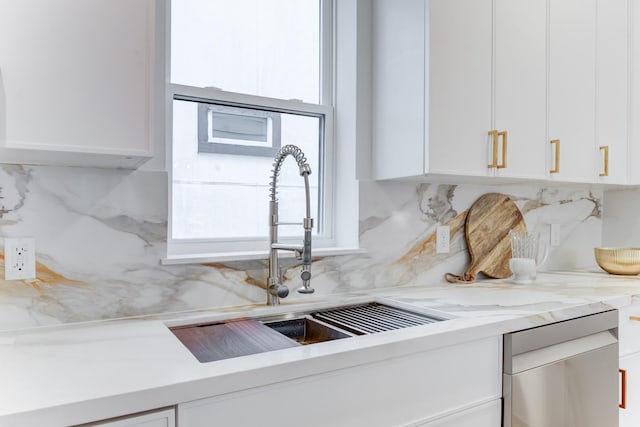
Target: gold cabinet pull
494,149
605,150
556,167
503,134
637,318
623,386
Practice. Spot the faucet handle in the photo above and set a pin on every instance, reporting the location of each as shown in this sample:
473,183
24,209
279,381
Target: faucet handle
279,290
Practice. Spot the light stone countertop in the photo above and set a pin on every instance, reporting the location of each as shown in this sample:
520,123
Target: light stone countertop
77,373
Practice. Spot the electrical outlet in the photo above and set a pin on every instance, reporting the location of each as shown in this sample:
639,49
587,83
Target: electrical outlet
442,239
554,237
19,258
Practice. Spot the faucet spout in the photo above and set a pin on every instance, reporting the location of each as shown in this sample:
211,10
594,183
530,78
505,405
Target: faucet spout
275,288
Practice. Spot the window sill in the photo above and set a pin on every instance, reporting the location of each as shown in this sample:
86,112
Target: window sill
249,256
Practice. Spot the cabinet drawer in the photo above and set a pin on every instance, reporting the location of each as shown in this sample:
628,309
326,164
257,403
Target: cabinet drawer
164,418
395,391
487,415
629,329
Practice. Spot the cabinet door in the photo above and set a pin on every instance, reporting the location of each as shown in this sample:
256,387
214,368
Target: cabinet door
572,40
629,342
166,418
634,125
520,70
75,78
390,392
398,83
630,415
612,91
460,52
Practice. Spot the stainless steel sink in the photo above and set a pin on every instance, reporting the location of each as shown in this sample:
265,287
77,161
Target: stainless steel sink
240,337
306,330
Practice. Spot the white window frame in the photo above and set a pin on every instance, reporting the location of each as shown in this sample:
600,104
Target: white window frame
333,238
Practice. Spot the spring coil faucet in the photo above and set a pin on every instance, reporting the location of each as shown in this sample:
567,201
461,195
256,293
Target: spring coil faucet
275,288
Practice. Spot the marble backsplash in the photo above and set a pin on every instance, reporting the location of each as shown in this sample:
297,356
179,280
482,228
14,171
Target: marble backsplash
100,235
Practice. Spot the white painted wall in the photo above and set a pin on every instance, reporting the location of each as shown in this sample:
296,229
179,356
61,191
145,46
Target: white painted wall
621,220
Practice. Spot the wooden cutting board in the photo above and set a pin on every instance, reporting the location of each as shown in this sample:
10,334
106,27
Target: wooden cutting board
487,227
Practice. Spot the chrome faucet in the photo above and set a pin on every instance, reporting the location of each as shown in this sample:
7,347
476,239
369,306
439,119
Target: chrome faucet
275,288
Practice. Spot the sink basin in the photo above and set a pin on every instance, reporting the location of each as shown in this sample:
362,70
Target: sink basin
306,330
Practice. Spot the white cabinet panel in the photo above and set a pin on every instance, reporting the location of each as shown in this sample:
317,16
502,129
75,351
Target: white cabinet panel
398,123
629,342
634,127
612,90
75,79
459,90
520,70
166,418
396,391
630,415
572,64
629,329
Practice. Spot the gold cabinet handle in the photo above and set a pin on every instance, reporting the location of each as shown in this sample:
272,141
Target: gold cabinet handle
556,167
503,134
623,386
494,149
637,318
605,150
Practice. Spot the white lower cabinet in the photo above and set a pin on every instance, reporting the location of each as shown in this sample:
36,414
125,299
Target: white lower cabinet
411,390
630,401
629,336
486,415
164,418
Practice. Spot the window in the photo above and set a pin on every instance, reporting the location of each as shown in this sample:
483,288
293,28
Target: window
247,77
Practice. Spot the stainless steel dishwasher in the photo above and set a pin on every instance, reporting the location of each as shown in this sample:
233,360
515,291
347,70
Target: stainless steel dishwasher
563,375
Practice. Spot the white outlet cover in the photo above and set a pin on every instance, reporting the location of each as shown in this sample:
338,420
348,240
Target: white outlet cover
19,258
443,235
554,238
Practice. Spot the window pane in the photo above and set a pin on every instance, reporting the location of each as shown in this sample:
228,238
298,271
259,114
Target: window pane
257,47
219,195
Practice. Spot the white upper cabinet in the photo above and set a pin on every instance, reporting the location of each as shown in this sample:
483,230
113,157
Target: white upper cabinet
431,87
75,81
502,89
589,91
485,101
459,91
612,91
634,123
398,79
572,92
520,100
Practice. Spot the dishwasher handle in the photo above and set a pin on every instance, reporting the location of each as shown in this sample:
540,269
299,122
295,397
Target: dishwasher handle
553,353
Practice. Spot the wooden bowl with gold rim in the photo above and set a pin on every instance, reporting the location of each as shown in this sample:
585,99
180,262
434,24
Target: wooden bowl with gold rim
625,261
